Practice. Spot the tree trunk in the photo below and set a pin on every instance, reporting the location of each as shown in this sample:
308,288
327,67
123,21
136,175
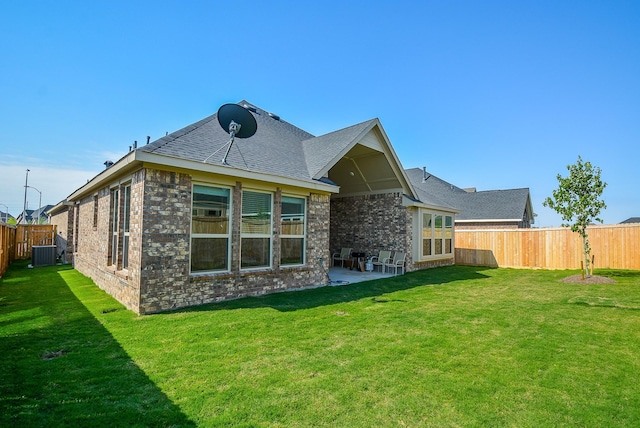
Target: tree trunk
586,251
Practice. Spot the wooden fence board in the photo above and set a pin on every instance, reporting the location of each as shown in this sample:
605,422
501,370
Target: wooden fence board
614,246
28,235
7,247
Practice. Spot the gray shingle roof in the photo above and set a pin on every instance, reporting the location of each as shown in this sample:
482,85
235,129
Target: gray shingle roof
319,151
483,205
631,220
274,149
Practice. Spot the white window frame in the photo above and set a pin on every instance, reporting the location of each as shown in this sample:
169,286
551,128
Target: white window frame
126,224
114,219
226,235
304,232
268,235
437,233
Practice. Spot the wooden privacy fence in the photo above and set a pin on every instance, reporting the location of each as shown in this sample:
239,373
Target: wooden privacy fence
7,247
613,246
28,235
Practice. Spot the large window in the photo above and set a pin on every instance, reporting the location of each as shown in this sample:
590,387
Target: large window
292,226
427,234
437,234
125,227
210,231
255,230
115,226
120,214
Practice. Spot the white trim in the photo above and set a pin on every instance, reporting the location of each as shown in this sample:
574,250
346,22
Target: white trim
408,202
228,235
498,220
138,159
304,231
268,235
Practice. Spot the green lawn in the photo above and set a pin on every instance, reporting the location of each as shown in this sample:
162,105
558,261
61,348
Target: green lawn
455,346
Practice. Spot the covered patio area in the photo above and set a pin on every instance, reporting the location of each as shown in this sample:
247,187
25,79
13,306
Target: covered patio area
342,276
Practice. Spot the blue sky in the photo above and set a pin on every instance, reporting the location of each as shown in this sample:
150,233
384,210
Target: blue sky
485,94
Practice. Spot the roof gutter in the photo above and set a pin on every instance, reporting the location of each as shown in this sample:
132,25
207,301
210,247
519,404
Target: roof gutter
408,201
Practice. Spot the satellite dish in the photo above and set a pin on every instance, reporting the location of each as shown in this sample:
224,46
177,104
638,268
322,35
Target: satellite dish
238,122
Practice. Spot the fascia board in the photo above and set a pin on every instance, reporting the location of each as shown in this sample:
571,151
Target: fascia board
324,171
409,202
138,158
163,160
492,220
125,164
396,165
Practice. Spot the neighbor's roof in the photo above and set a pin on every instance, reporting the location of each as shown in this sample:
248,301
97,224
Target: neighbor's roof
489,205
631,220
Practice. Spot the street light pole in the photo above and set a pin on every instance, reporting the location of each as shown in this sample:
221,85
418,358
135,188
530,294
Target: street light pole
39,204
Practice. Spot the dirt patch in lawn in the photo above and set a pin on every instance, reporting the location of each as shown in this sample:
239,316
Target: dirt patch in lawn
590,279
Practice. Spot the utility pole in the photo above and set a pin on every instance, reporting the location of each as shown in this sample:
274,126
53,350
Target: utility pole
24,209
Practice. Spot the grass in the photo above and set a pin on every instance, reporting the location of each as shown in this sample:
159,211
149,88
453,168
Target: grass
455,346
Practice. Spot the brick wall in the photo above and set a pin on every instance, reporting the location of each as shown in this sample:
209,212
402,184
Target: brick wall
165,279
92,248
371,223
165,240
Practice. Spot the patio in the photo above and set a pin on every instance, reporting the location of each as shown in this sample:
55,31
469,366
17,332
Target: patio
343,276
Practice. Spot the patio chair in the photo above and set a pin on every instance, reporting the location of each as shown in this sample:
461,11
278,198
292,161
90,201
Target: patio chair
344,254
379,260
396,263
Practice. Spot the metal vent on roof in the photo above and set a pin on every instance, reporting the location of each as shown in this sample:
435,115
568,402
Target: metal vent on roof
275,116
250,108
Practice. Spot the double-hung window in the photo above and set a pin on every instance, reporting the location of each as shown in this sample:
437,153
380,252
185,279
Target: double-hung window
210,231
256,230
292,227
427,234
115,225
125,226
120,222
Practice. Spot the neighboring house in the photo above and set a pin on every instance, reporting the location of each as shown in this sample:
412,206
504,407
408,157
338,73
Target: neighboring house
504,209
38,216
631,220
5,217
169,225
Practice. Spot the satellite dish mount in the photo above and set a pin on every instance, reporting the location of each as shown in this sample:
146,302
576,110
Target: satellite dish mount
238,122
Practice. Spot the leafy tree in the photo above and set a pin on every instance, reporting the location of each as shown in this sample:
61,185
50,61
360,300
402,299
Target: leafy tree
577,200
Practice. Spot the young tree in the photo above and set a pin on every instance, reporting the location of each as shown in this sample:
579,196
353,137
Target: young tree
577,200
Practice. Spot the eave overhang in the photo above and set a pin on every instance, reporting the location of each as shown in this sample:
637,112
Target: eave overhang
137,159
408,201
